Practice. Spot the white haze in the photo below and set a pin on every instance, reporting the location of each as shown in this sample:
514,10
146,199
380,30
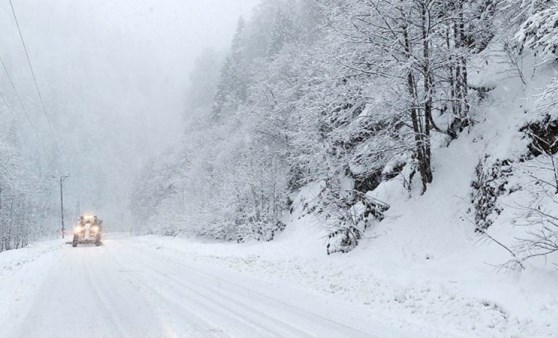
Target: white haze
113,75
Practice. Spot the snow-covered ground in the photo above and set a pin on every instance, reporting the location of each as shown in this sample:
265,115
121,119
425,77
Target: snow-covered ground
155,287
167,287
446,296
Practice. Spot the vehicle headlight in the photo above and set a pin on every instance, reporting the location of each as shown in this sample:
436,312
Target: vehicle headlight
77,230
95,228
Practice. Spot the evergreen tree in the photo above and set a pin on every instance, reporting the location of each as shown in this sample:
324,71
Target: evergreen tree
231,91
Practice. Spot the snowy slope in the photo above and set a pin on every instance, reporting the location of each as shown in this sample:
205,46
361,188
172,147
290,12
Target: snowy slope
428,241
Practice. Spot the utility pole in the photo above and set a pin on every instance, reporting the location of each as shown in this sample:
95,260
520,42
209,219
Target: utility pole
62,178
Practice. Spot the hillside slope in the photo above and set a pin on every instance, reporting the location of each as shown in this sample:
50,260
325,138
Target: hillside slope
424,260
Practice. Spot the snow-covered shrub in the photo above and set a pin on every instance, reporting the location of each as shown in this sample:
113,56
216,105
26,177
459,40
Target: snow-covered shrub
543,135
490,183
536,212
347,213
540,171
259,229
345,233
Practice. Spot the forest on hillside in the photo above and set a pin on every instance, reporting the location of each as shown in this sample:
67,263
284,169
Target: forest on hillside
340,96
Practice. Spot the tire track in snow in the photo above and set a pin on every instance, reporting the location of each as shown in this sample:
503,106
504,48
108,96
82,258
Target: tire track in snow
104,303
203,326
375,320
231,307
199,299
239,294
64,301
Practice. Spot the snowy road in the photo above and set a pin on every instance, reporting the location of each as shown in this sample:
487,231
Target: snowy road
129,289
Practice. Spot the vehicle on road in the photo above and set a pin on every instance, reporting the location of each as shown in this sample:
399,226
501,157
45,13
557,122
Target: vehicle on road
89,230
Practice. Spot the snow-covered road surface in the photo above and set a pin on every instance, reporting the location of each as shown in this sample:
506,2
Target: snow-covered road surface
129,289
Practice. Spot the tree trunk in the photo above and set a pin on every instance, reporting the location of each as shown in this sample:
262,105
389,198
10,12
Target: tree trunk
420,124
428,92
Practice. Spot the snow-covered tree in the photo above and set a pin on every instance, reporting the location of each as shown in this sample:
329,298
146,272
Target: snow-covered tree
231,91
540,28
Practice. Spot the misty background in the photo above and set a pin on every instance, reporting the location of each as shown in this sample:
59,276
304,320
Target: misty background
113,76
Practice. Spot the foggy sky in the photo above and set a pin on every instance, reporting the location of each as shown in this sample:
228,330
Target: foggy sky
113,74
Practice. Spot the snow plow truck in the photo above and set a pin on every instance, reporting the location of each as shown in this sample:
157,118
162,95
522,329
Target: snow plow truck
88,231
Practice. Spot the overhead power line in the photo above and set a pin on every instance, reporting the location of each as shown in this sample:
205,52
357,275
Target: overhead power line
16,93
31,66
3,97
25,112
43,106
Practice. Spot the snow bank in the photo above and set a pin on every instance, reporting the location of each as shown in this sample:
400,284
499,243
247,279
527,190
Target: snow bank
21,272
